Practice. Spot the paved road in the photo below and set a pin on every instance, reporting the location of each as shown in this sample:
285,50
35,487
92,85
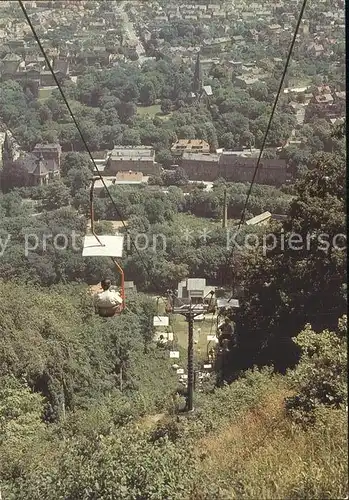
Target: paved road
130,32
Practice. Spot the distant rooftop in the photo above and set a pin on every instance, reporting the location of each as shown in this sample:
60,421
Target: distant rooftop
200,156
196,283
129,152
47,147
191,145
122,178
11,58
325,98
246,153
296,90
129,176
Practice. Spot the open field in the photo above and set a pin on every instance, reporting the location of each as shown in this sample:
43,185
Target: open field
206,327
179,326
154,110
267,456
149,110
45,93
188,221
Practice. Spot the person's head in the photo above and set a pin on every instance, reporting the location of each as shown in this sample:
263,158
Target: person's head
226,321
106,284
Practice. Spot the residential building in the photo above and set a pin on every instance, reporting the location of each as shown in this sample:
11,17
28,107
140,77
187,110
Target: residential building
315,49
323,99
234,166
200,166
46,79
121,178
275,29
40,171
10,63
130,178
241,169
40,175
51,153
43,165
340,96
189,146
62,66
134,159
245,81
194,290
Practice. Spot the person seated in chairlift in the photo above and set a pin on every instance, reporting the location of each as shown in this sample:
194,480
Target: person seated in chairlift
161,341
227,332
211,355
108,302
225,344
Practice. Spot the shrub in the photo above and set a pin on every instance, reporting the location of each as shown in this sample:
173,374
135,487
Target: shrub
320,377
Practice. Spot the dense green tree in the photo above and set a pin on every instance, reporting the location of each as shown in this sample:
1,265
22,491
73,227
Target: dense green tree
228,140
302,277
320,377
14,175
74,160
166,106
177,178
164,157
131,137
147,94
55,195
78,179
126,111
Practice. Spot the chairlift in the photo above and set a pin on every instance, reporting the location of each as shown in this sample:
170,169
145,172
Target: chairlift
212,338
163,321
199,317
160,321
105,246
161,338
169,303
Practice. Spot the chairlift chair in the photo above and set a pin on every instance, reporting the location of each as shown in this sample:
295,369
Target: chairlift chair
105,246
160,320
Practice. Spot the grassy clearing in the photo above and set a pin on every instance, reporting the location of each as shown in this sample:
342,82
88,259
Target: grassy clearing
44,94
186,221
207,327
152,111
149,110
180,329
266,456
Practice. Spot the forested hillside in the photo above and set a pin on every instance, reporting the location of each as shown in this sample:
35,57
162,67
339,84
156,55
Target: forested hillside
95,408
72,427
88,406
